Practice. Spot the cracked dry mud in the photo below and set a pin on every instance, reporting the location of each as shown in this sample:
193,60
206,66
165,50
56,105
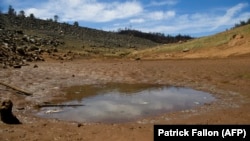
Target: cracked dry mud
226,79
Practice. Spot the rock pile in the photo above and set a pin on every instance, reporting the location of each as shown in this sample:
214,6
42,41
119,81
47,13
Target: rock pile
17,48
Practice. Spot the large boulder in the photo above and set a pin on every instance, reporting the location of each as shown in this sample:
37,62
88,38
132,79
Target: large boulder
6,113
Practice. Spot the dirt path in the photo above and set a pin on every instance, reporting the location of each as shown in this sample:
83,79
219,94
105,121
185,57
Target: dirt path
227,79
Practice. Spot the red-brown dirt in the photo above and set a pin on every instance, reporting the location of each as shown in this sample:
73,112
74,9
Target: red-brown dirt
227,79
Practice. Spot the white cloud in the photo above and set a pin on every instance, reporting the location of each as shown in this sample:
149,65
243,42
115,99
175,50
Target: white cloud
229,15
162,3
139,20
154,16
195,24
86,10
160,15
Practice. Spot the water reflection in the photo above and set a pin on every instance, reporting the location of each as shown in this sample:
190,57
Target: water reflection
112,103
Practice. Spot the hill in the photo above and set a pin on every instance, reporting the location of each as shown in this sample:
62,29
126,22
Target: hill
234,42
87,41
30,39
83,35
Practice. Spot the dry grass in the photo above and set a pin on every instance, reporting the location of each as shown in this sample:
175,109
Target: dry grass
216,40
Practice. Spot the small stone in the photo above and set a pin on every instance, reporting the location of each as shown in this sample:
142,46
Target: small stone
20,108
138,58
79,125
17,66
35,66
185,50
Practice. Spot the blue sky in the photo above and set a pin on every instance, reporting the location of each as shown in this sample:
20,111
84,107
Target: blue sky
190,17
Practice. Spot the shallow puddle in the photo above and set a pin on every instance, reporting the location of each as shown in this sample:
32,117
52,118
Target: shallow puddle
123,102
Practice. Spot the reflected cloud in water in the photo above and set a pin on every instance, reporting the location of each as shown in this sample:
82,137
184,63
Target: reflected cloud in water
116,105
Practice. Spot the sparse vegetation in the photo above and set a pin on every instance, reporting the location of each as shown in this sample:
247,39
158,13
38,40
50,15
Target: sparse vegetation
242,23
219,41
82,36
90,37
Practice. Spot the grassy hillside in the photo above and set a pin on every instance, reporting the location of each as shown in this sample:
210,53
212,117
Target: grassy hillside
237,39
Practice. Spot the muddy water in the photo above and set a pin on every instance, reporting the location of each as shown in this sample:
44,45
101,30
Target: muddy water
123,102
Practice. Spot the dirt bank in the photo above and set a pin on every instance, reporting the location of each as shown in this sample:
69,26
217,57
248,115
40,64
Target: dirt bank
227,79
